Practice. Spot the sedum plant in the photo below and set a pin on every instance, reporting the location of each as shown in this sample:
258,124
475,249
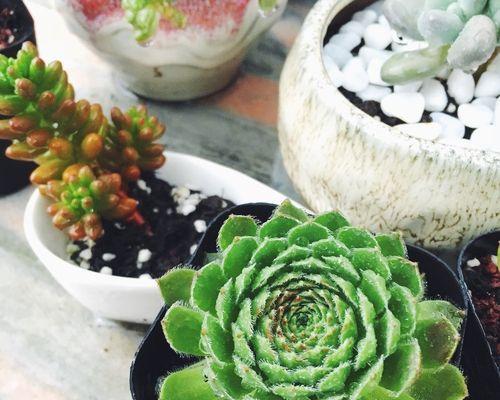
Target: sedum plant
84,160
312,308
461,33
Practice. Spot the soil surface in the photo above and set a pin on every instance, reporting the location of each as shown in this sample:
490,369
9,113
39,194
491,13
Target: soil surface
8,27
484,283
128,250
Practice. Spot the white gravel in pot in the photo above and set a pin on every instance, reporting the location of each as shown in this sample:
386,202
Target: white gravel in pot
454,107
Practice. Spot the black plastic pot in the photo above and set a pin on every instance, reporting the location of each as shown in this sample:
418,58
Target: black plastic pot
154,358
14,175
479,361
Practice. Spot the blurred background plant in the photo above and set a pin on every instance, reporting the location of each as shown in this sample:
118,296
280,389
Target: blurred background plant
462,33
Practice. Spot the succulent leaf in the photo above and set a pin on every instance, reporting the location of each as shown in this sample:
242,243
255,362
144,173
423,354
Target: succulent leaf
174,387
323,312
177,285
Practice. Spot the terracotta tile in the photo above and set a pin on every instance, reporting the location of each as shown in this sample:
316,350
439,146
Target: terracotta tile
251,97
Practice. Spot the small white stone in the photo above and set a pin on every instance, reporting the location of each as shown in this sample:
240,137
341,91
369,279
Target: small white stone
142,185
144,255
71,248
156,210
452,127
434,94
85,254
374,93
475,115
489,102
365,17
180,192
408,107
346,40
186,209
494,65
108,256
473,263
424,130
377,36
374,72
487,137
488,84
382,20
452,108
145,276
84,264
497,112
367,54
353,26
192,249
200,225
355,78
106,270
410,87
333,72
461,86
337,54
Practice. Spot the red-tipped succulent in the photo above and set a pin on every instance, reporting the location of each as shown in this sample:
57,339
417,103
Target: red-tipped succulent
84,160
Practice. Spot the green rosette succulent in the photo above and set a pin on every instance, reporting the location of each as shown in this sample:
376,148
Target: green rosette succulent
461,33
304,307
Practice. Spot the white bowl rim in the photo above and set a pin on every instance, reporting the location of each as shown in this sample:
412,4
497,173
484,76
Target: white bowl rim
43,253
323,12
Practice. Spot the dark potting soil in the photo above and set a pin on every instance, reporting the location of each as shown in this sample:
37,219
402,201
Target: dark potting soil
172,239
484,283
8,29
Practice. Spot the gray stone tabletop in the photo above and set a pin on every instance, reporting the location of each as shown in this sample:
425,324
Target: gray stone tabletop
51,348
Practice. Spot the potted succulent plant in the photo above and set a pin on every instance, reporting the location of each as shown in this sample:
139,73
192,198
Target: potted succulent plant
478,266
16,26
97,181
299,307
172,49
400,114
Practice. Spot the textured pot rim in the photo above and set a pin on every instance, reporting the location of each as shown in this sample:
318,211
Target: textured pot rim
313,34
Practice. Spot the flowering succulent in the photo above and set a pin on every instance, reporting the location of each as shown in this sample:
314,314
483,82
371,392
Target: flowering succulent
48,126
307,307
461,33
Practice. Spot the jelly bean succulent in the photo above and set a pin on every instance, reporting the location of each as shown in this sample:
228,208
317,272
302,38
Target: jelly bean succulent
303,307
84,161
463,34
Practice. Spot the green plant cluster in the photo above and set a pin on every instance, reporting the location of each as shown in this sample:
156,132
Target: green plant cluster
304,307
461,33
49,127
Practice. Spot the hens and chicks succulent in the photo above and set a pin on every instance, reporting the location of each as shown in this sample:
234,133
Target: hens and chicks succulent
461,33
304,307
84,160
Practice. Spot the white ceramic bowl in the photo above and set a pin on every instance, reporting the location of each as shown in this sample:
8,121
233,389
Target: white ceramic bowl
132,299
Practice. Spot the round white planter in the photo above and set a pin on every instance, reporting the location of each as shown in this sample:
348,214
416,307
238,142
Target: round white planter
178,65
339,157
133,299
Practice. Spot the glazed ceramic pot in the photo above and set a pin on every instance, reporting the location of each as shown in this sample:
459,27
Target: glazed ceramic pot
179,63
437,194
155,358
132,299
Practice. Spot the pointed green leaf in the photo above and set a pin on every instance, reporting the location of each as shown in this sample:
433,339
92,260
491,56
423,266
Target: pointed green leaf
403,306
402,368
182,328
175,285
277,227
307,233
355,238
445,383
238,256
289,210
330,247
188,383
206,286
332,220
373,259
235,226
433,309
216,341
406,273
392,244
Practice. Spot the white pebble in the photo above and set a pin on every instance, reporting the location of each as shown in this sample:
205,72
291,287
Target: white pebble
200,225
382,20
473,263
367,54
452,108
106,270
408,107
186,209
497,112
494,65
434,94
487,137
84,264
337,54
346,40
71,248
333,72
425,130
374,72
452,127
108,256
475,115
461,86
142,185
377,36
355,78
192,249
145,276
489,102
374,93
365,17
408,87
488,84
353,26
144,255
85,254
180,192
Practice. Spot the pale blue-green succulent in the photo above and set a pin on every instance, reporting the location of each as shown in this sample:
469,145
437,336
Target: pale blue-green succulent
461,33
